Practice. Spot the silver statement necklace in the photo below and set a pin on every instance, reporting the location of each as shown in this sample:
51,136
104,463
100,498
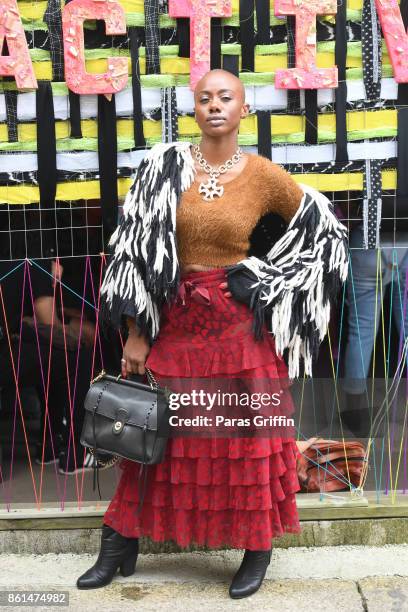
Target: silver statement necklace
212,188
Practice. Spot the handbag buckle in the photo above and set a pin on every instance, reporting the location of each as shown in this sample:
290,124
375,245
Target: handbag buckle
117,427
120,421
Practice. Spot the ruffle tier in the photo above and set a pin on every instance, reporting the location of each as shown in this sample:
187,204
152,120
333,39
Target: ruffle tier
240,503
219,358
213,529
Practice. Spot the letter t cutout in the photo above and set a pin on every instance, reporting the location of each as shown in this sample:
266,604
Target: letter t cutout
306,75
200,13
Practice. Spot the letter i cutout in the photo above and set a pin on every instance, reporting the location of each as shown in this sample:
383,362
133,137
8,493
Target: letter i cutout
306,75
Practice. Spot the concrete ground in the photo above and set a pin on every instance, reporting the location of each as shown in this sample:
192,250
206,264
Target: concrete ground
344,578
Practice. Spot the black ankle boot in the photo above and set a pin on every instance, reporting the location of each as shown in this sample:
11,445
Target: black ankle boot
116,551
251,573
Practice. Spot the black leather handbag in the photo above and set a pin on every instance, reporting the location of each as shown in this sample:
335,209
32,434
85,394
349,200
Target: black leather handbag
127,419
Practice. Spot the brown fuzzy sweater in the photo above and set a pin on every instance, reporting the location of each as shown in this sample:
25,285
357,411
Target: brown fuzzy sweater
217,233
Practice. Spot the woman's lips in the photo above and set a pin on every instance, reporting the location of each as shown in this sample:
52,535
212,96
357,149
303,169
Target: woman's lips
216,120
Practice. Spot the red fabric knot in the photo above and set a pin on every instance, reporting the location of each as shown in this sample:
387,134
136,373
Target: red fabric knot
200,295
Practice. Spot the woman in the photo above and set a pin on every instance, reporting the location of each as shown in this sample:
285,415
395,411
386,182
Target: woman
237,492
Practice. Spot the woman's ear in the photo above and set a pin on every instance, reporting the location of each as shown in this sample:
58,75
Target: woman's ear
245,111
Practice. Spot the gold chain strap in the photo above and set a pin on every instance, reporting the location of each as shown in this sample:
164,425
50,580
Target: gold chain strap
152,381
105,464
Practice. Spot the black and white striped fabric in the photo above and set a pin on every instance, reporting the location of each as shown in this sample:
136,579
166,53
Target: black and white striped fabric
371,50
293,94
53,19
372,201
11,114
169,114
372,72
152,32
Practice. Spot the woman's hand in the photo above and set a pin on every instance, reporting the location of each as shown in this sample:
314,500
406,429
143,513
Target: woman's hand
135,353
224,287
57,271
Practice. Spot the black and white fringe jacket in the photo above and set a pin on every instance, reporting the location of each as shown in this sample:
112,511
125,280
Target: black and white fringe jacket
290,289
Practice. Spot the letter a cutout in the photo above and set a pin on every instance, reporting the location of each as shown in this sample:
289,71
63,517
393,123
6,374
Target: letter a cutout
18,64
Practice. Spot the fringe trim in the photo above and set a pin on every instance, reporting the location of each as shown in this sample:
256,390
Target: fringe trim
143,270
299,277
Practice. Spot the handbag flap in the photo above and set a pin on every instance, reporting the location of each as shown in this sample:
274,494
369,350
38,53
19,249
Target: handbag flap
134,400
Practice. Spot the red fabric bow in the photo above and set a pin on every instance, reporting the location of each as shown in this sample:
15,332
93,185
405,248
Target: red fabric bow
199,294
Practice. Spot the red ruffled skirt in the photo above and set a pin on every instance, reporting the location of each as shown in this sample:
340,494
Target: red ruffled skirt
215,492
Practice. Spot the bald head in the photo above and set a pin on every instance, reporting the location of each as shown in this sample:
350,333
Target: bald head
219,104
220,78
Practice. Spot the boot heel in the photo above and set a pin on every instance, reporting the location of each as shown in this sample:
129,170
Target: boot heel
127,567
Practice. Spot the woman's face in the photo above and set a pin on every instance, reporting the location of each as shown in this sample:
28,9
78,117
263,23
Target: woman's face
219,103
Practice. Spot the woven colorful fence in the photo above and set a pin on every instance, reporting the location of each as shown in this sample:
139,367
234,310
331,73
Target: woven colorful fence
69,158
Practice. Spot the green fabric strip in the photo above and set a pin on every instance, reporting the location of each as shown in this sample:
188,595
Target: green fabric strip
353,50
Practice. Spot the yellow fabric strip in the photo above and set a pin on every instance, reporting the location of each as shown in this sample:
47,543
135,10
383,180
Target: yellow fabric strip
332,182
286,124
356,5
168,65
27,132
361,120
270,63
344,182
89,190
181,65
281,125
35,10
